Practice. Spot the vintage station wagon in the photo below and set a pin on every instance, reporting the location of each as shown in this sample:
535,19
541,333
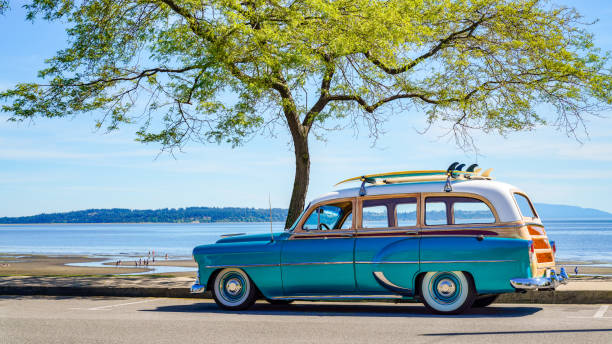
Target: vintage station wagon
450,239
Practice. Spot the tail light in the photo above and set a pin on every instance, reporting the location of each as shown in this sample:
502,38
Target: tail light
531,251
554,247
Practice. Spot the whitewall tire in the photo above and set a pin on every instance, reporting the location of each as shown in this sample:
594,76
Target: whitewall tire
233,289
447,292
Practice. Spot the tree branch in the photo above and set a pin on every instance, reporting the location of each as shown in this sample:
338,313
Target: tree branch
320,104
441,44
143,74
371,108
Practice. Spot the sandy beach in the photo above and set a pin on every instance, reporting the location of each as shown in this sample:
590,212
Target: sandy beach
42,265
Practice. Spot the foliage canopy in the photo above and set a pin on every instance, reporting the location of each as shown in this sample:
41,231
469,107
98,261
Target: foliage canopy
220,70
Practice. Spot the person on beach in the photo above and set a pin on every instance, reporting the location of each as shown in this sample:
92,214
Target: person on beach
166,256
576,270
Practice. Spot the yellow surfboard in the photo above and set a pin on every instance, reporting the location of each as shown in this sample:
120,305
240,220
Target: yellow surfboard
416,176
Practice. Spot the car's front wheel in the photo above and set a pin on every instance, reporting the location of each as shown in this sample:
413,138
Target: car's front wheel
233,289
447,292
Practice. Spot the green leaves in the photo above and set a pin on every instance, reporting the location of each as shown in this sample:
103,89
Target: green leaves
221,70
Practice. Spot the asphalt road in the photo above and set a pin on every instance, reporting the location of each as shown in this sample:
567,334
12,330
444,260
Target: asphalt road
150,320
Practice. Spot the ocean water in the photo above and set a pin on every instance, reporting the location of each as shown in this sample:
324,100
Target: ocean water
583,240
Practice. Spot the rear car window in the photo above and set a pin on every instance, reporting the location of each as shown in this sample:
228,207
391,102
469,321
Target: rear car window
524,205
472,211
449,210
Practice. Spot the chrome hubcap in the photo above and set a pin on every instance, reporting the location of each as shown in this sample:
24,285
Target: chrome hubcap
233,286
446,287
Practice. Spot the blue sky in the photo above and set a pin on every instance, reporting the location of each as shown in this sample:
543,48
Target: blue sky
65,164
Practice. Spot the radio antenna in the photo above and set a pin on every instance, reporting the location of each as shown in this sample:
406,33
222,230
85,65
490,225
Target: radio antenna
271,232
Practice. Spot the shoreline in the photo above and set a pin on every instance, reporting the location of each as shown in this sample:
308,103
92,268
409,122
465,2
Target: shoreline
17,264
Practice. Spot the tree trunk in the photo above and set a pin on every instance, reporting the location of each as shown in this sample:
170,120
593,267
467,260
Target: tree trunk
302,177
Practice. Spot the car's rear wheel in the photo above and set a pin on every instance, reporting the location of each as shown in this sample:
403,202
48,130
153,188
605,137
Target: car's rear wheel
484,301
447,292
233,289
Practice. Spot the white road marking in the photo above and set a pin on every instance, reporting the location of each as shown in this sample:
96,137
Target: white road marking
109,307
601,312
598,315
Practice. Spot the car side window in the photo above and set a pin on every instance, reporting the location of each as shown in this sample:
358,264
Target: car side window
524,205
435,212
375,214
329,217
406,213
467,211
443,210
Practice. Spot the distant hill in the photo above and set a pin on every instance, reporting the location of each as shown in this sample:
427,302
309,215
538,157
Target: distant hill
172,215
558,211
230,214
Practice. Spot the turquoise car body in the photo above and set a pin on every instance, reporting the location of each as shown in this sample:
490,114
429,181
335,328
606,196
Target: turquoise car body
370,267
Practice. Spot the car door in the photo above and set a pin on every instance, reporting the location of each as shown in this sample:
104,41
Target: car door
387,244
318,256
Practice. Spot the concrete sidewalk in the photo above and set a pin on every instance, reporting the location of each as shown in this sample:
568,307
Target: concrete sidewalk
575,292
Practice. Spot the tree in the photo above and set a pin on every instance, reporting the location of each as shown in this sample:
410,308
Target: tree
223,70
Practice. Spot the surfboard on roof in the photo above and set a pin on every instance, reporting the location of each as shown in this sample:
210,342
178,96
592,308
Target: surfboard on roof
454,172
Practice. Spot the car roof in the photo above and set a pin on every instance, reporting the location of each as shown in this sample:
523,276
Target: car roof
498,193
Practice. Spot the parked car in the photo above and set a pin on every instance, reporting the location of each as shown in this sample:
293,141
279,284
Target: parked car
449,239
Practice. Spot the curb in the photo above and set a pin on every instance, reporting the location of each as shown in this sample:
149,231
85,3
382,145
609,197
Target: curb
559,297
540,297
99,291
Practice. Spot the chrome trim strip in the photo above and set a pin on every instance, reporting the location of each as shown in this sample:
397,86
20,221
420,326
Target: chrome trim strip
271,265
465,261
315,263
335,297
360,262
240,266
397,262
456,227
323,232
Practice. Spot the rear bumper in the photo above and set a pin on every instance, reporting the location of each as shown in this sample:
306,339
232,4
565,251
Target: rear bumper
550,282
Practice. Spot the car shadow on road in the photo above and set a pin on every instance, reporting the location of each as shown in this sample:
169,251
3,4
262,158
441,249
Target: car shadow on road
360,310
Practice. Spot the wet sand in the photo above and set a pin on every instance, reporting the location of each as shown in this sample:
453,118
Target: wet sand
587,268
42,265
